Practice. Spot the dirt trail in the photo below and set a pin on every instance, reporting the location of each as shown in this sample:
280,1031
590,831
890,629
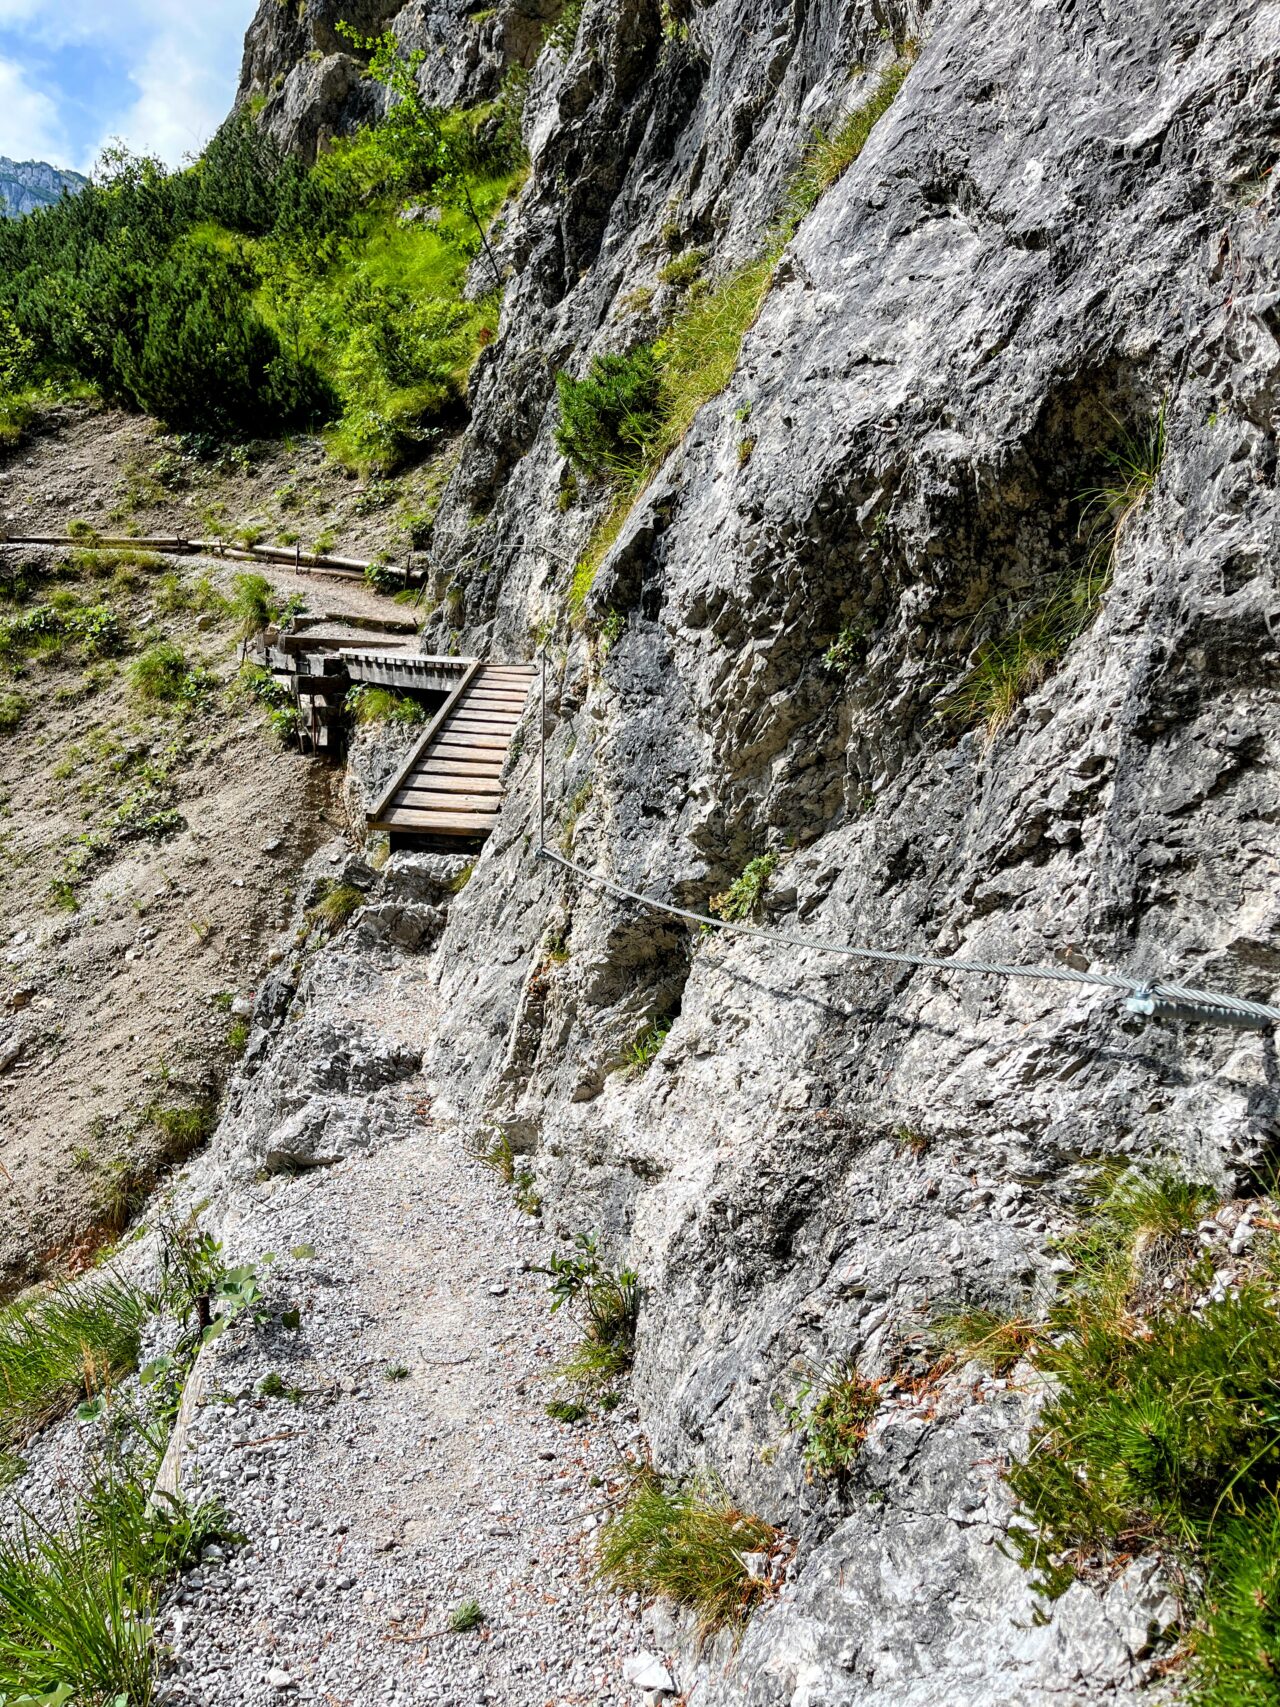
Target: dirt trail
416,1468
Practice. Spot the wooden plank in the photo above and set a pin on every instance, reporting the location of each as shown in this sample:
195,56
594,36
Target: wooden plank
506,696
472,738
419,800
461,769
477,725
422,743
428,779
439,823
477,702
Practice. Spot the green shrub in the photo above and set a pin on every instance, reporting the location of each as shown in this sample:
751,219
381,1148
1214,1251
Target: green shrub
12,710
609,420
648,1044
689,1544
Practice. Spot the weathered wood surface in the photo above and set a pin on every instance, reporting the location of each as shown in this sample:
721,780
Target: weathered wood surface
450,788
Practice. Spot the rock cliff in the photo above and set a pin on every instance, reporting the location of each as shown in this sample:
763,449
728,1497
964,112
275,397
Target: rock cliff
26,185
1064,225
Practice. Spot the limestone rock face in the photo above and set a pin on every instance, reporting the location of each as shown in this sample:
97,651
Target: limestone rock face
310,80
1063,230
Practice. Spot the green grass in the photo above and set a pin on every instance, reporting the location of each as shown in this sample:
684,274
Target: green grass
337,906
743,900
59,1347
1009,666
161,673
368,704
77,1602
988,1337
688,1544
13,708
1162,1427
830,155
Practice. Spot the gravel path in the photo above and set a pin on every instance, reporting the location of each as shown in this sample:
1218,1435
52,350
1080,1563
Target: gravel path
416,1470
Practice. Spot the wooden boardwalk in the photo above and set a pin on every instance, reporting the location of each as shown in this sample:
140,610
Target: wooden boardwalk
448,791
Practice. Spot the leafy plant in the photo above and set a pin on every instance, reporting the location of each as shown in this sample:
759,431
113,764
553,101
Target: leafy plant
691,1545
847,650
646,1047
833,1410
610,1305
565,1410
744,898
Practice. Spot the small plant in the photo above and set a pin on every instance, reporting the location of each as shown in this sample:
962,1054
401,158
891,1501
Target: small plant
467,1615
369,704
396,1372
525,1187
987,1337
610,632
610,1303
566,1411
910,1140
847,650
829,157
689,1544
833,1410
578,802
500,1158
183,1130
646,1047
337,905
160,673
252,606
13,709
683,270
745,448
609,420
324,542
64,1345
744,898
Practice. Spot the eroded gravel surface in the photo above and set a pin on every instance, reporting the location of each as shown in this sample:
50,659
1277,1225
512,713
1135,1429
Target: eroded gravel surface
377,1502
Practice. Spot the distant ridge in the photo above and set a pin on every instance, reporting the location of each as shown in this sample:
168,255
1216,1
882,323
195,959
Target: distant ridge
29,184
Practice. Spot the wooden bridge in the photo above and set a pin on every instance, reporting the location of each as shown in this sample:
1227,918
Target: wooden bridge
447,793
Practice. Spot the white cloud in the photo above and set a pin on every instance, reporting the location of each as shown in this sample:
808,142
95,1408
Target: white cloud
181,59
30,128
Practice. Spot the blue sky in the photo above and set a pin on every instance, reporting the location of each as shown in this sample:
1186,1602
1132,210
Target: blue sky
161,74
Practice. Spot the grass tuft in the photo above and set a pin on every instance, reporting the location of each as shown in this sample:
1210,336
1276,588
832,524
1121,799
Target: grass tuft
467,1615
60,1347
689,1544
337,906
1009,666
834,1410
